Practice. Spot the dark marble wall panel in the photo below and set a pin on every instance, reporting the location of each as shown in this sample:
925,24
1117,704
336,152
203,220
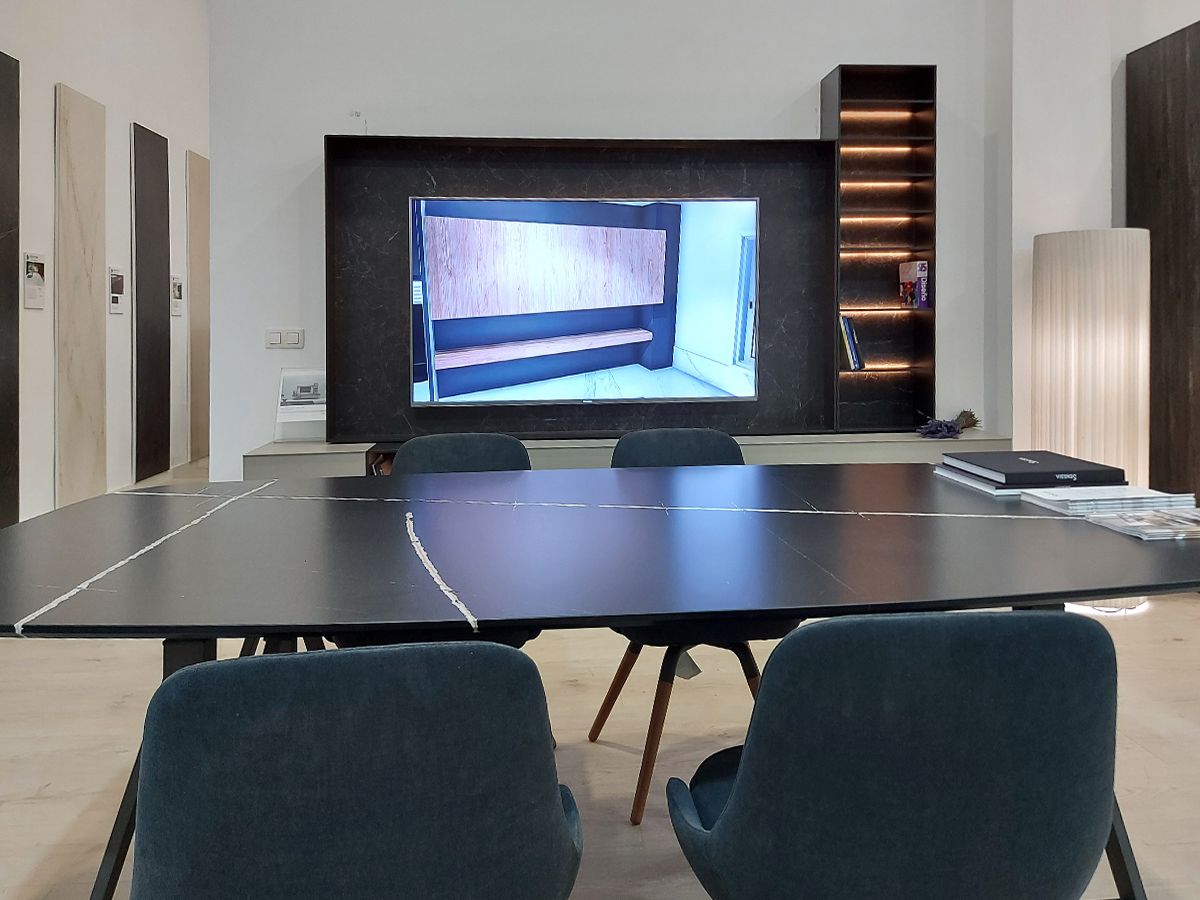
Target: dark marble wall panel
1163,185
368,185
152,304
872,401
10,287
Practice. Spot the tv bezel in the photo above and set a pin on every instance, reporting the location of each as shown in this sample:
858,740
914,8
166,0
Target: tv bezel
626,401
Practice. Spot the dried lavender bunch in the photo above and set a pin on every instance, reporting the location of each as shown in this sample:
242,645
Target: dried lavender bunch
940,429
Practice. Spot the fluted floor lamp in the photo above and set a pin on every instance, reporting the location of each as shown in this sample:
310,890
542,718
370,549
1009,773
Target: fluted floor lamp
1091,347
1091,353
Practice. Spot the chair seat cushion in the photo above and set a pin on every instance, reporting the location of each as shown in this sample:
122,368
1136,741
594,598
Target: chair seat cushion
713,632
713,783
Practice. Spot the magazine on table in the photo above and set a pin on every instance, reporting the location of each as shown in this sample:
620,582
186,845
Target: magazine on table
1153,525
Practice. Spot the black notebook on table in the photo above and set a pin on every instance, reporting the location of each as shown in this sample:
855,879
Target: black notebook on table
1033,468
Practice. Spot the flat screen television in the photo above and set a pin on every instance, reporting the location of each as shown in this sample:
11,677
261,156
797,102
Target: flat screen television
527,301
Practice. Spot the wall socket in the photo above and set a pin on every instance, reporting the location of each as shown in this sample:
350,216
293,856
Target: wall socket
285,338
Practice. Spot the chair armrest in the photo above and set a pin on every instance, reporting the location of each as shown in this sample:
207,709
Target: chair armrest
683,809
571,812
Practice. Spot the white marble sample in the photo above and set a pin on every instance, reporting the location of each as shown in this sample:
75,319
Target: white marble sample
80,297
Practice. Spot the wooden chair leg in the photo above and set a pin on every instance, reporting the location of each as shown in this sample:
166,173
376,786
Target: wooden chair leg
614,689
249,646
749,667
658,717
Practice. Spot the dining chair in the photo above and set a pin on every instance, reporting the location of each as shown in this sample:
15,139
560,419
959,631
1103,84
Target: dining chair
465,452
914,757
435,454
679,447
423,771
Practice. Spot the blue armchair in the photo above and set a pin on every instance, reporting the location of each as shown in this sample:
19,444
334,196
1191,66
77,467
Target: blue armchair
424,771
935,756
469,452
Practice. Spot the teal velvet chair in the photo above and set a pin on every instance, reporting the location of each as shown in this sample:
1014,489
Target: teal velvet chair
434,454
915,757
664,447
423,772
469,452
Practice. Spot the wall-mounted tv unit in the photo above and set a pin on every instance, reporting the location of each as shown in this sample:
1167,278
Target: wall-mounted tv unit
527,301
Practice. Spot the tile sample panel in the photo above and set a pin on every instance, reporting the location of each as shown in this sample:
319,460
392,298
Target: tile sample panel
80,297
152,304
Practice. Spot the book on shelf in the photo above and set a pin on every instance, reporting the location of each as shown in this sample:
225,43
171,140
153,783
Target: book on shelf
1033,468
850,344
1086,501
914,284
1153,525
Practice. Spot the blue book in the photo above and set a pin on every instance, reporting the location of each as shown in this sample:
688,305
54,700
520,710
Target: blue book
850,341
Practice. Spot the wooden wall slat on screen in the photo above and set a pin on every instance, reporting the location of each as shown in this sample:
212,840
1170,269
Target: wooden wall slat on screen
10,287
198,249
151,304
477,267
80,298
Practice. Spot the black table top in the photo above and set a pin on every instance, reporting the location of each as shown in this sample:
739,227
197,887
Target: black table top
554,549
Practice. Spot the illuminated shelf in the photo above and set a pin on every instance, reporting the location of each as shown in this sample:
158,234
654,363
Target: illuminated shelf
889,310
888,101
865,178
868,253
908,214
854,142
888,370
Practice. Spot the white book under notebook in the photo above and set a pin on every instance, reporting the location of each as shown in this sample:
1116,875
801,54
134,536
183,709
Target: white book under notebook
979,484
1086,501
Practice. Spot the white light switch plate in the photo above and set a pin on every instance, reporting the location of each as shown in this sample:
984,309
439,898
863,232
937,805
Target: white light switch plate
285,339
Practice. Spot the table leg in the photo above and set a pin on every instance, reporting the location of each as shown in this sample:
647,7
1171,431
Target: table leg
177,654
1120,860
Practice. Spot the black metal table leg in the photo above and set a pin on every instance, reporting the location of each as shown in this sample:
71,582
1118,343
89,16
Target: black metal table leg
118,840
1120,860
176,655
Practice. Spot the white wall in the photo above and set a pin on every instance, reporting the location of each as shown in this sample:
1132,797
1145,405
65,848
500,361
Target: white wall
146,61
671,68
1068,122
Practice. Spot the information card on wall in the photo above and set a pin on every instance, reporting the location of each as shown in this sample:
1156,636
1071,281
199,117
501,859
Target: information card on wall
176,295
116,291
35,281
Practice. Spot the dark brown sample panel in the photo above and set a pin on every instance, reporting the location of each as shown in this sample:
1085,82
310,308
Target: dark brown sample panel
1163,185
10,286
151,304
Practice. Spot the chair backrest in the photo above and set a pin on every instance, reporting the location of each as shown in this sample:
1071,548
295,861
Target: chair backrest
676,447
468,452
933,756
422,771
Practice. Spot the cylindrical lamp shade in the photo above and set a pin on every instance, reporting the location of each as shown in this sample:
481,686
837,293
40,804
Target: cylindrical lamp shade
1091,347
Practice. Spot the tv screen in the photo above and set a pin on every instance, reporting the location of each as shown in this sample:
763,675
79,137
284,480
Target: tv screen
583,301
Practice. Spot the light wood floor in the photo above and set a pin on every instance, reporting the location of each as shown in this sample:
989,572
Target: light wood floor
71,711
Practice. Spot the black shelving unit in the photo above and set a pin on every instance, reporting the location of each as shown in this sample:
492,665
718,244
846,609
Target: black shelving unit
884,120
